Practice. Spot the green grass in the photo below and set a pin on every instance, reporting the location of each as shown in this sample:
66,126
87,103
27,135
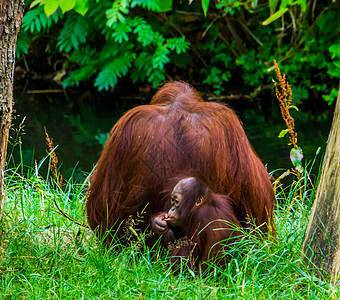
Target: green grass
45,255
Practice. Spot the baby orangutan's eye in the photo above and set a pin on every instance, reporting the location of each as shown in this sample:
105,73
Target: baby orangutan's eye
174,201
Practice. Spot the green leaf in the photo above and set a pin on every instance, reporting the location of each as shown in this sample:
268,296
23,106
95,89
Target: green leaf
160,58
303,4
284,3
29,20
335,50
295,107
163,5
23,43
179,44
120,32
81,7
36,2
81,74
37,25
154,5
50,7
331,97
115,13
118,67
43,20
275,16
273,4
283,133
318,151
113,16
75,32
156,77
205,6
66,5
35,20
144,61
145,33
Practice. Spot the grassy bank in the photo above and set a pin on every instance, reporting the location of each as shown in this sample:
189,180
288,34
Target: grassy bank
43,254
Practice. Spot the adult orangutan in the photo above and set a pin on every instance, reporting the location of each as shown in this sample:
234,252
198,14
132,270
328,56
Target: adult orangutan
176,133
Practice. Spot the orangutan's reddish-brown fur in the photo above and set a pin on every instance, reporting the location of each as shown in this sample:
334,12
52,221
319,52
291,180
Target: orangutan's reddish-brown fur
199,224
175,133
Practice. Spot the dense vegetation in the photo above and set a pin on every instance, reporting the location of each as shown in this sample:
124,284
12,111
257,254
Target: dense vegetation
45,255
221,44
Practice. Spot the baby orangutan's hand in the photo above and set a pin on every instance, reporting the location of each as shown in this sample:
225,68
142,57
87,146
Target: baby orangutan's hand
158,223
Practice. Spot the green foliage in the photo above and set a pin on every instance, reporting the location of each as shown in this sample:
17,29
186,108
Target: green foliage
50,6
74,33
284,7
331,97
115,14
219,62
334,71
117,67
205,6
23,43
201,40
127,40
178,44
275,16
154,5
36,20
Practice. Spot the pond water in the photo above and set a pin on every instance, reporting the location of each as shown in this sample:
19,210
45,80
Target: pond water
80,128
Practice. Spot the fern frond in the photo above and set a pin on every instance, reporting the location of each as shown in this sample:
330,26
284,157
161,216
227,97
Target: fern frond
84,56
154,5
160,57
178,44
118,67
81,74
149,4
121,31
115,14
144,62
36,19
97,14
156,77
144,31
74,32
23,43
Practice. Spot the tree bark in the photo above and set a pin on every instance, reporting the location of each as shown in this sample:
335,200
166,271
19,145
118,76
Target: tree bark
11,13
322,240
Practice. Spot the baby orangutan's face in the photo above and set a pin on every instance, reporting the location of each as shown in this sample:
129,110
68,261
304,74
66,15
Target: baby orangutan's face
174,216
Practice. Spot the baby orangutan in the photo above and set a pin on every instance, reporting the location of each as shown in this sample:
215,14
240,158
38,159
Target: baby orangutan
206,221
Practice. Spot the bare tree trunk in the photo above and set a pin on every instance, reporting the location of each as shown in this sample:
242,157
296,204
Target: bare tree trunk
11,13
322,240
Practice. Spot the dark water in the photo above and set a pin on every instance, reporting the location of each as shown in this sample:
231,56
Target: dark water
79,129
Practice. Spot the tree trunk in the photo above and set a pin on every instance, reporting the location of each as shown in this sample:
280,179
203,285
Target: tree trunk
322,240
11,13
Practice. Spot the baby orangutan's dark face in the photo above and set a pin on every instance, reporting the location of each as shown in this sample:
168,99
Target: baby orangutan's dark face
175,214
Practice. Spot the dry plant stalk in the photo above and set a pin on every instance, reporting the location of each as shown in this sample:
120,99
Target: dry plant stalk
285,100
54,160
284,94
